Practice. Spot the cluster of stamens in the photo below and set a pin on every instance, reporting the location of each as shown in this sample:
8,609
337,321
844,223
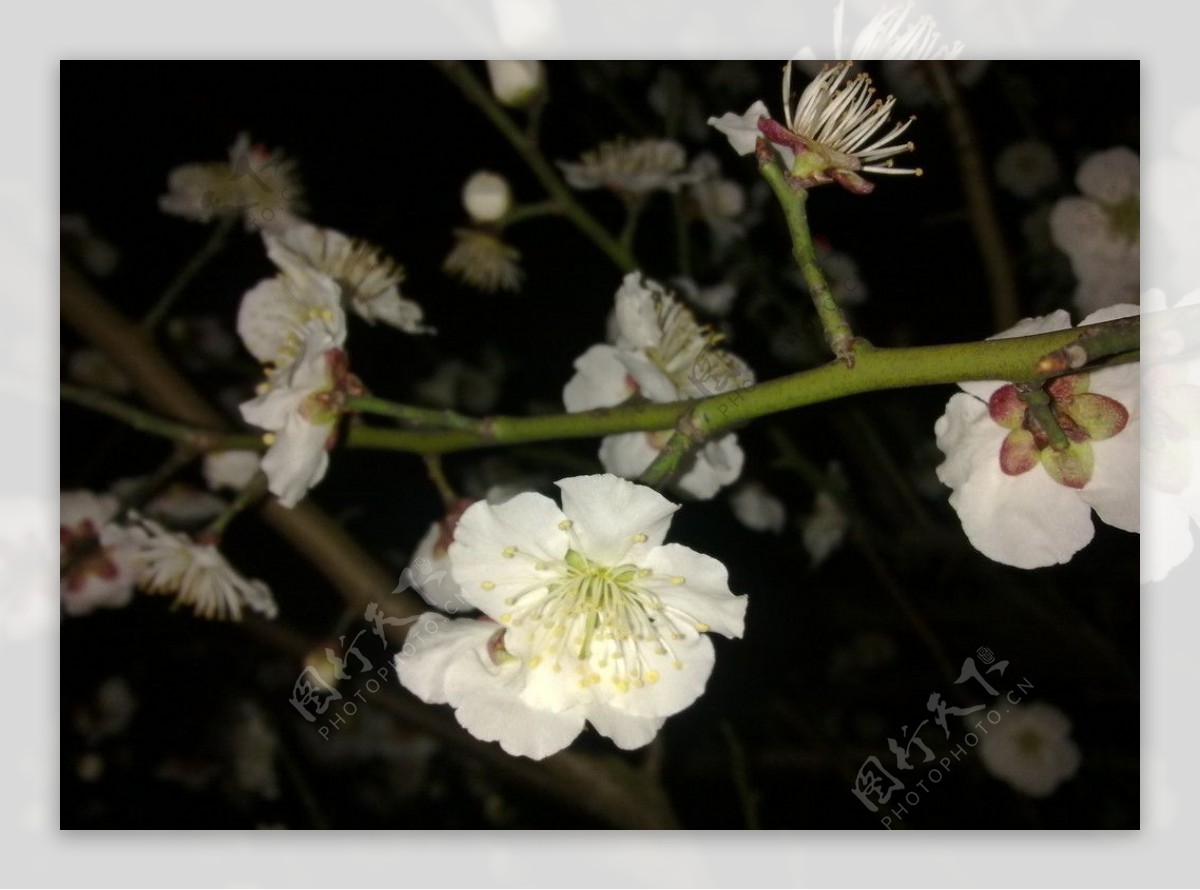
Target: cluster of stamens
602,621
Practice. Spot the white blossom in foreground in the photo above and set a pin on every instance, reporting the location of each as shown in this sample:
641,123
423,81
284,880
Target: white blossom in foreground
257,183
300,408
1031,749
1022,501
830,135
1100,229
197,574
483,261
516,83
431,557
662,355
594,619
98,570
369,280
632,167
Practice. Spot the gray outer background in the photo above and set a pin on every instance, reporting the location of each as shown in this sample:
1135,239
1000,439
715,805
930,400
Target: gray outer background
35,853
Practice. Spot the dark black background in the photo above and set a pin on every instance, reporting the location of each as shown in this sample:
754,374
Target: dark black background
383,150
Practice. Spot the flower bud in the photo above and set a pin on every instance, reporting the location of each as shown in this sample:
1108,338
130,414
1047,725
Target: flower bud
516,83
486,196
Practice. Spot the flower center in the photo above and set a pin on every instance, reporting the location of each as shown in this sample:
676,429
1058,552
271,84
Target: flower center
82,555
1125,218
601,621
1055,426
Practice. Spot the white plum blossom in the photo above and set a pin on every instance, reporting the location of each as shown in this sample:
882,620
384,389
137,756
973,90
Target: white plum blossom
369,280
758,509
1031,749
516,83
1100,229
431,556
631,167
300,408
1022,500
720,202
830,135
593,619
486,196
295,325
196,573
660,354
255,182
98,569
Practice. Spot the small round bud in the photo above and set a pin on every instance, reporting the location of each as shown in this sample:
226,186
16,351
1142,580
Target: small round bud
486,196
516,83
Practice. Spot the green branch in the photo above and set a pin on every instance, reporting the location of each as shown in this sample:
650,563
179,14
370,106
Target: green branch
156,425
439,432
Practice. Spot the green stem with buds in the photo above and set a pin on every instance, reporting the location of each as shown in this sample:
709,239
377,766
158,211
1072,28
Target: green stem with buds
481,97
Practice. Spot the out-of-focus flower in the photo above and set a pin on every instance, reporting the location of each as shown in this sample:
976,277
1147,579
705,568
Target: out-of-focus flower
197,574
259,184
720,202
108,713
1170,432
98,571
97,255
632,167
715,299
231,470
594,619
830,136
1024,498
202,342
483,261
1099,230
369,280
95,370
1027,167
517,83
1030,748
486,196
824,528
178,504
254,745
663,355
456,384
758,509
